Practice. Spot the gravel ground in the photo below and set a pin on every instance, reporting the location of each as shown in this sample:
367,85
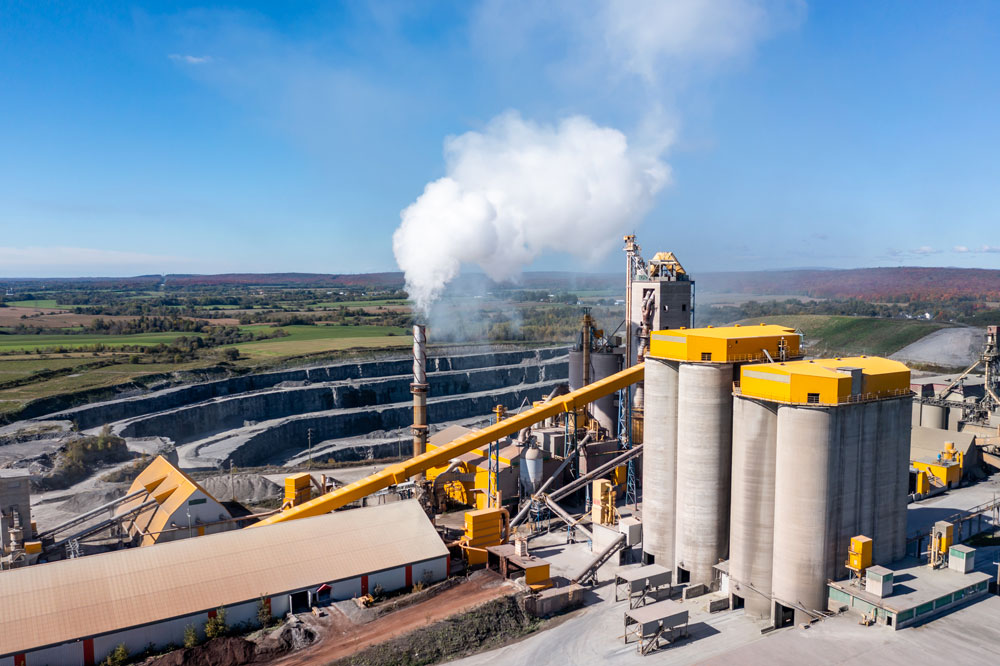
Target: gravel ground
948,347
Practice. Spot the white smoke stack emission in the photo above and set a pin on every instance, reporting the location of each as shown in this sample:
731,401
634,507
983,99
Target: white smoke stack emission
518,189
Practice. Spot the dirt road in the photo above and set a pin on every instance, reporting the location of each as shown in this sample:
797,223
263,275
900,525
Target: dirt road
339,637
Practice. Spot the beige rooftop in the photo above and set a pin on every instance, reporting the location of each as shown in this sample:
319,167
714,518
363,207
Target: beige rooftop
52,603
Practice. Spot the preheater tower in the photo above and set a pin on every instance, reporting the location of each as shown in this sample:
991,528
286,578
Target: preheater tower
688,440
820,454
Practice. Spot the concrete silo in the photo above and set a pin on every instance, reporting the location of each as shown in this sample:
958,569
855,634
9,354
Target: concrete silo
755,430
696,456
841,460
659,461
603,364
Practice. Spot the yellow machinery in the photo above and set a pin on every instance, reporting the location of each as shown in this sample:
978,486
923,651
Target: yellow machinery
859,556
403,471
297,490
484,527
603,510
945,473
923,485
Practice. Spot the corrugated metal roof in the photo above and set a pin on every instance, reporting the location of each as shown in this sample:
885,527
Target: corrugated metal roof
52,603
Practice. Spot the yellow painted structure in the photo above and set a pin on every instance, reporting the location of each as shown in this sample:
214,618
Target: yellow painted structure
402,471
826,381
32,547
948,474
183,508
297,489
923,484
536,575
602,511
725,344
946,530
859,555
483,527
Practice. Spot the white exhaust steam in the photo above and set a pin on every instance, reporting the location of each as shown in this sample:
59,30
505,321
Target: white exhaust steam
518,189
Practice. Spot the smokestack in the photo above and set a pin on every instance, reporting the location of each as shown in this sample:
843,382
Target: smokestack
419,389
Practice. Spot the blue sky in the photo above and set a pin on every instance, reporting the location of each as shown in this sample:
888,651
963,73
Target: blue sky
259,137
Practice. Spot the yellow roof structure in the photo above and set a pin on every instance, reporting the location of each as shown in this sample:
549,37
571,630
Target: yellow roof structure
49,604
725,344
826,381
174,492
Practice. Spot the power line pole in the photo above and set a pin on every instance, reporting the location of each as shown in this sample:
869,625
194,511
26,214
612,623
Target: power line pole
309,432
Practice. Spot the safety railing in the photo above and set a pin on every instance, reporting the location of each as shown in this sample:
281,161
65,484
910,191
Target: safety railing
841,400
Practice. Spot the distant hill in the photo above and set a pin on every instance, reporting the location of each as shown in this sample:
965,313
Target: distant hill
904,283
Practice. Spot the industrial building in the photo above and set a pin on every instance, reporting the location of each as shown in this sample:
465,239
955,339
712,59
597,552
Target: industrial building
820,455
688,440
173,506
78,611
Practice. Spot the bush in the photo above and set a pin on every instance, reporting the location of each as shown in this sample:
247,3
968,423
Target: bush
190,636
216,626
264,612
118,657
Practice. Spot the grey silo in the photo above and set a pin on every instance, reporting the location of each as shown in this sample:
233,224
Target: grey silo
659,465
704,456
752,514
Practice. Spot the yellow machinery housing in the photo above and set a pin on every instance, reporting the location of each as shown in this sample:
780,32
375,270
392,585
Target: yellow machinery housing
859,555
726,344
297,490
945,473
826,381
403,471
603,510
483,527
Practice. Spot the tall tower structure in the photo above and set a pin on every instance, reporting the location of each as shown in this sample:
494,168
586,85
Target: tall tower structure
662,296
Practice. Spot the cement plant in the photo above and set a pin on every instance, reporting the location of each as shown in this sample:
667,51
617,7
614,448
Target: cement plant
659,492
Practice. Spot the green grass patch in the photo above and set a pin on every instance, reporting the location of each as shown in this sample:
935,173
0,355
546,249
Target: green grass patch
842,335
9,343
303,340
39,303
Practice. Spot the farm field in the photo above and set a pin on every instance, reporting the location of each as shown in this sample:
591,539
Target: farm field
843,335
315,339
10,343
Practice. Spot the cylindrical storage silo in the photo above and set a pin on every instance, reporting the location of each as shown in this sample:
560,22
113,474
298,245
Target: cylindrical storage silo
533,469
896,434
605,364
575,370
751,526
932,416
916,413
659,462
704,459
806,508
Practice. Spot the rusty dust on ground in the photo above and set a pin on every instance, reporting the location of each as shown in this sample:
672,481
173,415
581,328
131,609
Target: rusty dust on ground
340,637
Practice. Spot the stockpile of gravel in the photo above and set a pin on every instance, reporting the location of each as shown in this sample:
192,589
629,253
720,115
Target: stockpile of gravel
248,488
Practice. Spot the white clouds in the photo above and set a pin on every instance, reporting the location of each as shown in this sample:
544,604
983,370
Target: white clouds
925,249
651,36
518,189
982,249
960,248
39,261
190,59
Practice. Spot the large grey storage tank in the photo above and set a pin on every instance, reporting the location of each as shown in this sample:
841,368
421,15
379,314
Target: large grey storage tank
932,416
704,453
575,370
605,410
752,515
659,463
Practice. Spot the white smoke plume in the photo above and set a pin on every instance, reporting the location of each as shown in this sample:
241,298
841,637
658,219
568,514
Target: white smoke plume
518,189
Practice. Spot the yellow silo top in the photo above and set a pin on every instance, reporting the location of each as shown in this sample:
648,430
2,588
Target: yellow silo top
725,344
827,381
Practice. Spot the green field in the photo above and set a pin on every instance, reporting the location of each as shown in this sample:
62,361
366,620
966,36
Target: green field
39,303
358,304
9,343
315,339
841,335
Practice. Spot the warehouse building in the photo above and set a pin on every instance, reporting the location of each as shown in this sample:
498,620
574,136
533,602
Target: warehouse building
75,612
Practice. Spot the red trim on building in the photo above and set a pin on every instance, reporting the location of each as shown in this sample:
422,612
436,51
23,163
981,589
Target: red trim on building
88,652
212,613
447,566
20,660
409,576
364,585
